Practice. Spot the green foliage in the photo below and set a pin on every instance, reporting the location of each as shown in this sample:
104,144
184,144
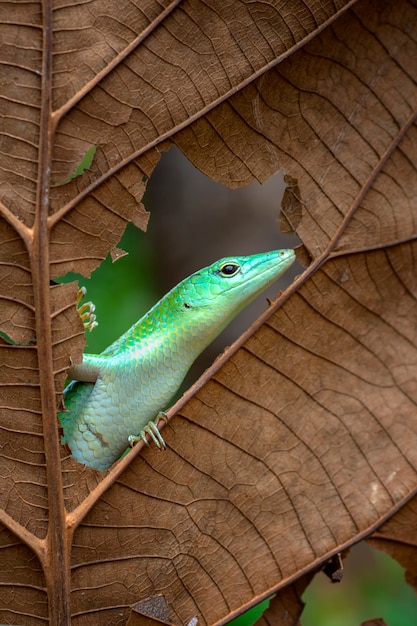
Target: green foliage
84,164
251,616
373,586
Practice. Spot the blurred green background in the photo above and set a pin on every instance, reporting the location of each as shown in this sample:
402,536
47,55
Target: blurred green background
373,585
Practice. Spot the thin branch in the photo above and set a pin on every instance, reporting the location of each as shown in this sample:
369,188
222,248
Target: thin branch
77,515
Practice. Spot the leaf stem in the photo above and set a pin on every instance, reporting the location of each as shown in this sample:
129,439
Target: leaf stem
55,558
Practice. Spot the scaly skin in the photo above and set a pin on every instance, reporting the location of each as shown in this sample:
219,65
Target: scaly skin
123,389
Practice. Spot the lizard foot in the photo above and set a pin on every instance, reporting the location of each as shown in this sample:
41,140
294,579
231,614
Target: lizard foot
152,430
86,310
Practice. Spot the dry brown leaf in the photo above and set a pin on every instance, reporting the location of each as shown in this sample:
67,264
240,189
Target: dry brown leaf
304,439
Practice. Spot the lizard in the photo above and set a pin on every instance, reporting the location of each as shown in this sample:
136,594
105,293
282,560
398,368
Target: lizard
117,397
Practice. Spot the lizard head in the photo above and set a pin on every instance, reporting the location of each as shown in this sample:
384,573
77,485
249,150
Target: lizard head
217,293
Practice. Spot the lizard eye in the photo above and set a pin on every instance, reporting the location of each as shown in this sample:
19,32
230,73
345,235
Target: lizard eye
229,269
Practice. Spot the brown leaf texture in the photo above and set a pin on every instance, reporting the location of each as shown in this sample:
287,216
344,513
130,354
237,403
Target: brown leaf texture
301,439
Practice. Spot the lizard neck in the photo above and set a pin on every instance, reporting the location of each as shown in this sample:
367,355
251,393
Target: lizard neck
171,326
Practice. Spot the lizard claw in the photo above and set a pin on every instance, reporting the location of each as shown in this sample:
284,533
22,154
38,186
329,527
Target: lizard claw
152,430
86,310
161,416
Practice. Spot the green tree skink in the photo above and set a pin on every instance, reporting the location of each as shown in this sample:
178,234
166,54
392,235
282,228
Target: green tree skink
117,395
